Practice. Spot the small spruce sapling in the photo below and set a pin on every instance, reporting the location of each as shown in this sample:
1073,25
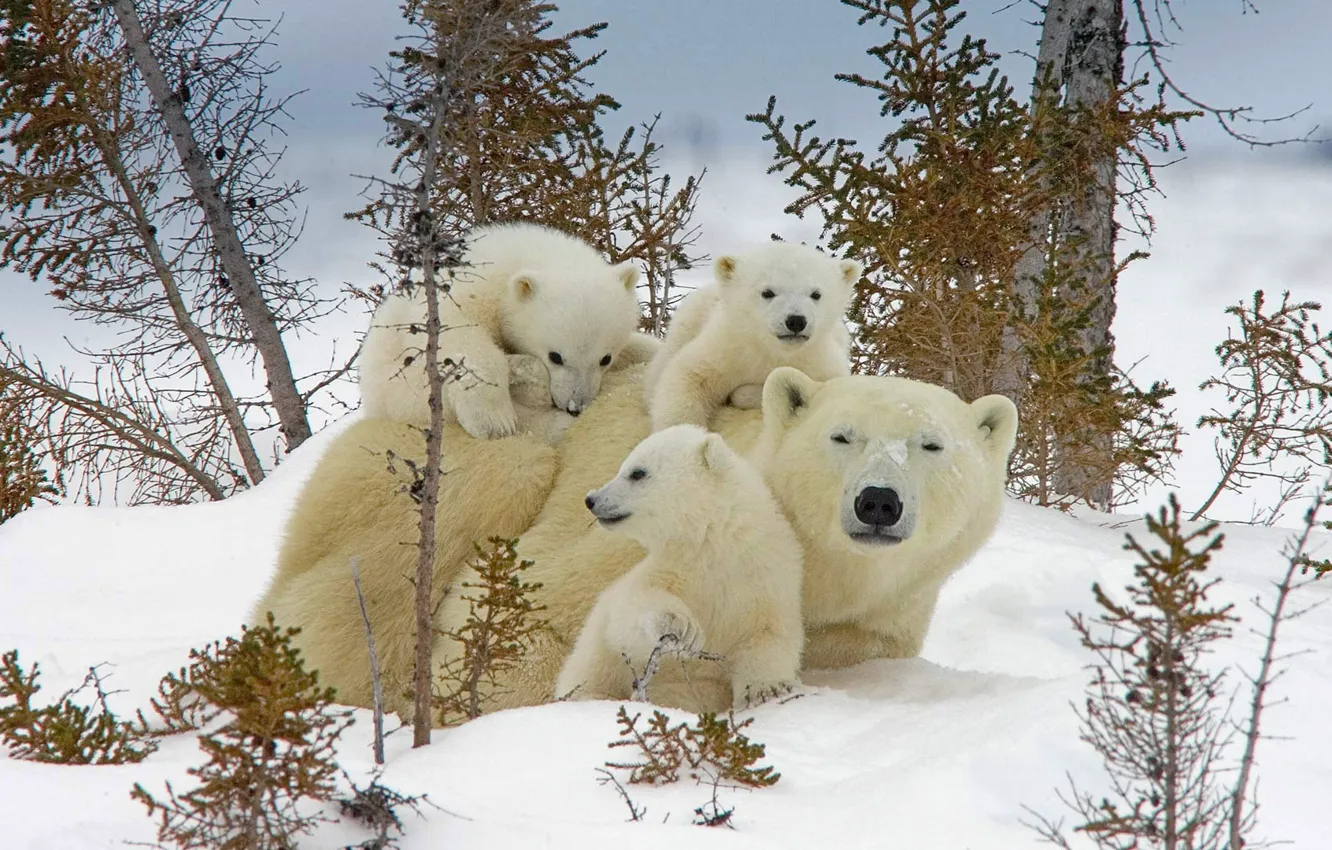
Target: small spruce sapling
712,747
274,751
501,624
1154,713
63,732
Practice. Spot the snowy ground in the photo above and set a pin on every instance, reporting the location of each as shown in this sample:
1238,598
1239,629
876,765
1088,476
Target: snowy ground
938,752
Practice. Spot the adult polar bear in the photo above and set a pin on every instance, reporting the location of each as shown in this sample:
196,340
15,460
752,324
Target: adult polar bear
890,485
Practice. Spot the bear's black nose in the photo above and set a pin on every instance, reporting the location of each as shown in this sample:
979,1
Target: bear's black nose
795,323
591,502
878,506
574,408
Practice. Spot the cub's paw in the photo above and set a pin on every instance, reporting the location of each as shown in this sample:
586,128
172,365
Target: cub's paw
753,694
746,397
675,631
485,413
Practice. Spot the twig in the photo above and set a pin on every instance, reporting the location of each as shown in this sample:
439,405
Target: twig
374,665
1296,558
607,778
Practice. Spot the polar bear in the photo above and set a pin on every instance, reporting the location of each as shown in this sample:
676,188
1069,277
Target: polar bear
721,576
779,305
524,289
533,407
890,486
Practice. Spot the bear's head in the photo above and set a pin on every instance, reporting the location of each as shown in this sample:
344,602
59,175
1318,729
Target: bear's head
785,292
667,486
577,322
890,469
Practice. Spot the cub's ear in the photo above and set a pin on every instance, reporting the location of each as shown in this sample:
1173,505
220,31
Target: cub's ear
523,285
723,268
627,272
997,418
787,393
851,271
716,455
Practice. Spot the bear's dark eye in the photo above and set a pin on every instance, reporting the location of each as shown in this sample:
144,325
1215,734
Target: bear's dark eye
638,474
841,438
605,361
556,358
931,446
768,294
815,295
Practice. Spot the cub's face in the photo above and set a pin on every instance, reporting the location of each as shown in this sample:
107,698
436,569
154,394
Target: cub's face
576,325
880,463
788,293
664,482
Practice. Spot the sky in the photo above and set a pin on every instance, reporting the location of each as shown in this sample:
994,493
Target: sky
704,64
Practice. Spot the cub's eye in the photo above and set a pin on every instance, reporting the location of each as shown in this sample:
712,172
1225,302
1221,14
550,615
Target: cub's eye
841,438
815,295
605,361
556,358
768,294
931,446
638,474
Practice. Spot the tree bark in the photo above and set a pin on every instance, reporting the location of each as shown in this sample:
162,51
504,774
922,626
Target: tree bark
1093,72
423,222
1014,367
281,383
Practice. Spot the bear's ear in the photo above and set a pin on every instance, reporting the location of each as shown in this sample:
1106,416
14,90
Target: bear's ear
786,394
997,418
523,286
716,456
627,272
851,271
723,268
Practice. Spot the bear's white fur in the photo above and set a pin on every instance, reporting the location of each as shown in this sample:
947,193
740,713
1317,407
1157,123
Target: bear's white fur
779,305
524,289
534,409
818,446
721,576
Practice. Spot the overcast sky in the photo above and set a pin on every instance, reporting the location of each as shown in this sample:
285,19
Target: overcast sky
704,64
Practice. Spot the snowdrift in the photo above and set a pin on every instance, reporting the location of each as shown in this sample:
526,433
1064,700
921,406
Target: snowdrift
941,751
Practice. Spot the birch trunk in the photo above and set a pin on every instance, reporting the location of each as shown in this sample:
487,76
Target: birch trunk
281,383
1014,368
1092,74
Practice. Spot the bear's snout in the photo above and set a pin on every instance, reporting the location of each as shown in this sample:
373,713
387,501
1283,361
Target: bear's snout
591,502
795,323
878,506
573,408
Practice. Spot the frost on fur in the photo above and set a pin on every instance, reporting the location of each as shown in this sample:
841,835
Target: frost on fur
63,732
501,622
274,752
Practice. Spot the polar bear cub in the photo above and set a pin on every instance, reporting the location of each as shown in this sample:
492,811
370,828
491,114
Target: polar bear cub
524,289
779,305
722,572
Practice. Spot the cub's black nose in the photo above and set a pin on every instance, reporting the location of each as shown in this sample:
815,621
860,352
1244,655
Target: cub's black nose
590,501
795,324
878,506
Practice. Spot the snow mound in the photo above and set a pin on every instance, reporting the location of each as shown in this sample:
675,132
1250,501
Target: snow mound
941,751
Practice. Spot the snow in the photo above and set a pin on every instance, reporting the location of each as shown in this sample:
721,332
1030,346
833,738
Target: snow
940,751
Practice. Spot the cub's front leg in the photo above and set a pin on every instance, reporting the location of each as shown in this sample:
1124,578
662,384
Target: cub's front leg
479,393
688,392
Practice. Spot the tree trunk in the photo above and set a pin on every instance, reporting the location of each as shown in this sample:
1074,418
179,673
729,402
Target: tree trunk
1093,72
281,383
1014,367
1079,65
423,237
194,334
